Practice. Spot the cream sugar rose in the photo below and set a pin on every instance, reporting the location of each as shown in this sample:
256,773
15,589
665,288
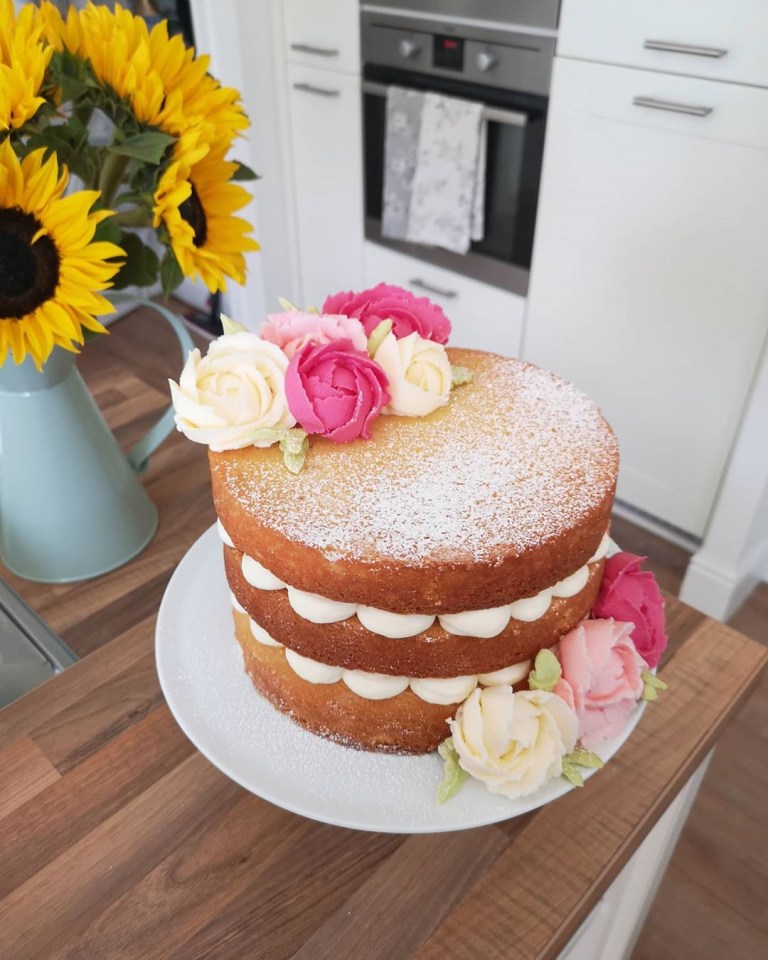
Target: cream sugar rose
382,352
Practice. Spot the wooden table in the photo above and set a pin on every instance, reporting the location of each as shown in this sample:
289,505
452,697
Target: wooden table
119,840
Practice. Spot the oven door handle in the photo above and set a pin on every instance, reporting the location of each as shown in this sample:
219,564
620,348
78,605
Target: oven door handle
511,118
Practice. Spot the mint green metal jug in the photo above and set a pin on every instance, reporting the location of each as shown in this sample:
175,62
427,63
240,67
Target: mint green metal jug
71,503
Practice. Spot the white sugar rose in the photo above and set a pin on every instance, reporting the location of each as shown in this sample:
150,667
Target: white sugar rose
513,742
419,373
238,387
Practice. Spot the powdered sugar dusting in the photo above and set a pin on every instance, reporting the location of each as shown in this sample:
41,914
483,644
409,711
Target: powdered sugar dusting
515,459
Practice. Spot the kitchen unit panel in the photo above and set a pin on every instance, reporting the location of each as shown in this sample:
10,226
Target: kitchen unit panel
323,33
705,38
482,316
326,141
649,286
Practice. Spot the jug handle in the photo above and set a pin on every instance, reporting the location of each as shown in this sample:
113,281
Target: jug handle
140,453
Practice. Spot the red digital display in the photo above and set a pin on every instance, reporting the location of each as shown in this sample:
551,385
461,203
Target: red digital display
448,52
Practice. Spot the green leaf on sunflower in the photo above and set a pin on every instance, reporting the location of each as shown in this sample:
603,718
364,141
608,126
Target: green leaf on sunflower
171,273
546,671
453,774
149,147
108,232
141,265
651,685
244,172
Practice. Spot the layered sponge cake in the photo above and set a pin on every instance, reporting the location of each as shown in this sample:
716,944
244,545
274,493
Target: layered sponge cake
375,589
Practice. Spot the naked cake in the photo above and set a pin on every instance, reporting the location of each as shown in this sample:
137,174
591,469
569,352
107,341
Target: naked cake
417,550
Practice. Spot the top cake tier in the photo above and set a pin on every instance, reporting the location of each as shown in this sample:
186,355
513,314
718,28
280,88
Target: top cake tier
500,494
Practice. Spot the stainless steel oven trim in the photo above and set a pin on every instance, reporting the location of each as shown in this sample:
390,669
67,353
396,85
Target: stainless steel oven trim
476,266
509,117
451,19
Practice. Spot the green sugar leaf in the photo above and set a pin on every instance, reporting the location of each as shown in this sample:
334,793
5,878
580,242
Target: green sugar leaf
286,304
232,326
269,434
461,375
651,685
378,334
571,773
453,775
583,758
546,671
294,446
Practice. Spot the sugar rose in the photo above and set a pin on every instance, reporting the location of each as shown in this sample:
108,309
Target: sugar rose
419,373
292,329
408,313
335,390
513,742
237,388
632,595
601,678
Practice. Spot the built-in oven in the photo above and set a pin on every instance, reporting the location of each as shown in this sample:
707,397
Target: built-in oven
498,53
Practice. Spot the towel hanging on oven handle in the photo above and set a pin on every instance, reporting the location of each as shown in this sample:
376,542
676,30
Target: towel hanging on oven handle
510,117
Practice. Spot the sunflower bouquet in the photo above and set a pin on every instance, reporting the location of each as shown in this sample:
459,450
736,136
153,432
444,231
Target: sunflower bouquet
107,127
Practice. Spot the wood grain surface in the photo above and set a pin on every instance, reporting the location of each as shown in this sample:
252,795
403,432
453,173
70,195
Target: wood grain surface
119,840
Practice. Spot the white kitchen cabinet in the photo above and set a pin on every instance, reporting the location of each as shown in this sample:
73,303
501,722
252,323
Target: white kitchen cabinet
698,38
482,316
323,33
326,135
649,285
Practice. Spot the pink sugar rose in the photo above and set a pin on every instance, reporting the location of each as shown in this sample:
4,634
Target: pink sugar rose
335,390
602,677
292,329
630,594
408,313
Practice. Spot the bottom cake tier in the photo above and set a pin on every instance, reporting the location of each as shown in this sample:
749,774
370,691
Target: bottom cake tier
379,719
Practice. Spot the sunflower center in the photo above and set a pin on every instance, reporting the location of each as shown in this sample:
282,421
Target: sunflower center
192,211
29,272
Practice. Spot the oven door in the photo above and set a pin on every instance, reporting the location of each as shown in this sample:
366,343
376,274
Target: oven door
515,141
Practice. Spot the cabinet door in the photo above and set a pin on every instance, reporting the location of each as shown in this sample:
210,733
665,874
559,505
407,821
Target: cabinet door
323,33
482,317
328,180
649,284
698,38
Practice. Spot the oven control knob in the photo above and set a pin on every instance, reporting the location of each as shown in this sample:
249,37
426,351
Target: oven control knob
408,48
486,60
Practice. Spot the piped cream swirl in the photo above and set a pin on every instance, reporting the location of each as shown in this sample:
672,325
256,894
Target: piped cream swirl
483,624
382,686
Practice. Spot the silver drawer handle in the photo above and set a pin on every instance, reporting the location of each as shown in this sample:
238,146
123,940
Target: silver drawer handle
320,91
316,51
672,107
714,52
438,291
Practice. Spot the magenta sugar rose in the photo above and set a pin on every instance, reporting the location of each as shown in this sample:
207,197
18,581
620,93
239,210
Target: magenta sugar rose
408,313
335,390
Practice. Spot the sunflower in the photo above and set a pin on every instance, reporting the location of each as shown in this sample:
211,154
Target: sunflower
195,201
23,60
162,80
51,271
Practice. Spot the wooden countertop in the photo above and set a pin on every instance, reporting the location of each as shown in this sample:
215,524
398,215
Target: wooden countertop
118,840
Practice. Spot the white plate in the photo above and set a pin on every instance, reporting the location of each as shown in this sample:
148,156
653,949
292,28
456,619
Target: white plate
201,672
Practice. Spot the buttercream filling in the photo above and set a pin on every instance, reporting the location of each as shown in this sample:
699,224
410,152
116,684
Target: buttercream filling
382,686
472,623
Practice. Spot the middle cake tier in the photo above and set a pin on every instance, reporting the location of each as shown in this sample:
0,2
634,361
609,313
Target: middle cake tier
445,647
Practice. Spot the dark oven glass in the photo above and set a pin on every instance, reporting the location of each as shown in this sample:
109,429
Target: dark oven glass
513,165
